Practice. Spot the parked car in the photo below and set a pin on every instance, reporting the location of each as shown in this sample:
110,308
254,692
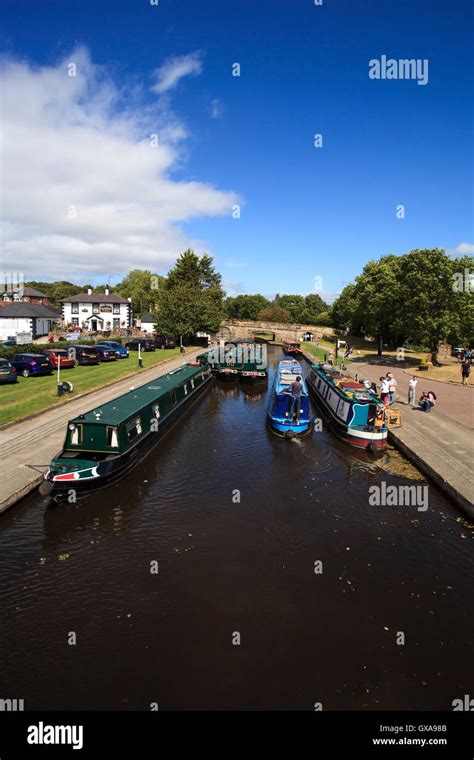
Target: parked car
163,342
7,371
120,351
106,354
146,344
60,356
9,343
87,355
32,364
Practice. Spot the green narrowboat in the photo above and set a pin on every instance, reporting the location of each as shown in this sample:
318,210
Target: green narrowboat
241,359
104,444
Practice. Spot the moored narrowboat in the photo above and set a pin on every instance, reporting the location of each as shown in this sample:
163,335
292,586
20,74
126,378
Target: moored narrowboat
356,414
283,417
292,348
104,444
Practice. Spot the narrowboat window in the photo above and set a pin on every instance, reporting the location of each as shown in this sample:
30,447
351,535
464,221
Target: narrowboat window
156,410
112,437
134,428
192,383
76,434
185,386
173,398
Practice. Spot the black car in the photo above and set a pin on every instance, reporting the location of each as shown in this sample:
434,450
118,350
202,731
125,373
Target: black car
31,364
87,355
7,371
163,342
146,344
106,354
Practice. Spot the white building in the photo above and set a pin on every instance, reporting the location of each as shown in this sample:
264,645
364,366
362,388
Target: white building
147,324
98,312
20,317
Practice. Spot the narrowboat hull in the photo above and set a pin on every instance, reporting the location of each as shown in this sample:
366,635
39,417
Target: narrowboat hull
283,429
360,438
254,377
109,471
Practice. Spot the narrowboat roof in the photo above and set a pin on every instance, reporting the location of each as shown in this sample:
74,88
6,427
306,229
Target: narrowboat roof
121,408
287,372
346,384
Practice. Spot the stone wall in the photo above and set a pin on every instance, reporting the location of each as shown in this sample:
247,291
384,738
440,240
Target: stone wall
240,328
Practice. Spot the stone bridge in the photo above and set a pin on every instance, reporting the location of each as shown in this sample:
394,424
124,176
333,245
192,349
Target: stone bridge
275,331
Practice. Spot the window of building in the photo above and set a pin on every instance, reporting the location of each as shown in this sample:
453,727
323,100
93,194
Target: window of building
134,428
112,437
116,324
116,308
74,308
95,307
75,321
76,435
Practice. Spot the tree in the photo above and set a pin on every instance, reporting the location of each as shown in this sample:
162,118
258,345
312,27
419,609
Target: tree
430,309
245,306
377,297
274,313
344,309
315,304
142,287
294,304
191,299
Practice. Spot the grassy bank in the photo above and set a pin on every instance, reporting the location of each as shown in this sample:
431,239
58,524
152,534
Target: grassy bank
33,394
320,353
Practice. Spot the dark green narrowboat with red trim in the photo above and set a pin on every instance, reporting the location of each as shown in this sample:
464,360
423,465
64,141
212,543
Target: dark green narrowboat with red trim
106,443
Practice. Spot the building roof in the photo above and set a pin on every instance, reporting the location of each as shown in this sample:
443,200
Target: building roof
20,309
148,318
95,298
25,291
121,408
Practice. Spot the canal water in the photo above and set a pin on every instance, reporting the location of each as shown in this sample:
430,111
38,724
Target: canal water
236,520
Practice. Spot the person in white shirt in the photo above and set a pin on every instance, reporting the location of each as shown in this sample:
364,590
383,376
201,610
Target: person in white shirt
412,390
384,390
392,387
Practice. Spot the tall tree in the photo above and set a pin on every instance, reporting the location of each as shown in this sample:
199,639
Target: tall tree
245,306
192,298
142,287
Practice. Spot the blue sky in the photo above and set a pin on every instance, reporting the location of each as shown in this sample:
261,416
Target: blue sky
306,212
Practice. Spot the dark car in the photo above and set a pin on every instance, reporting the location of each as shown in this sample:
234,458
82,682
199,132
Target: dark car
106,354
7,371
87,355
31,364
120,351
163,342
146,344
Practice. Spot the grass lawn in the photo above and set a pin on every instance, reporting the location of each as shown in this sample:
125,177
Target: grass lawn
450,373
320,352
32,394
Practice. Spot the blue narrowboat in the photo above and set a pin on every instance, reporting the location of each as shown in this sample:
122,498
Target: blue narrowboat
282,418
356,414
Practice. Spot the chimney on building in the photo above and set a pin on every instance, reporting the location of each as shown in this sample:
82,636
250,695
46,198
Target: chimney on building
129,299
89,291
106,290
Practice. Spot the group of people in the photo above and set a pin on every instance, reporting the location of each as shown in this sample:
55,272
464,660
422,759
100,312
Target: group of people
388,389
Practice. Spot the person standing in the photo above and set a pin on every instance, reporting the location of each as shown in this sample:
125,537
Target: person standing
297,388
384,391
412,390
465,371
392,383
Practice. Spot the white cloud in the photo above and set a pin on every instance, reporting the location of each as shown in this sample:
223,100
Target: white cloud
83,189
463,249
216,108
174,69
